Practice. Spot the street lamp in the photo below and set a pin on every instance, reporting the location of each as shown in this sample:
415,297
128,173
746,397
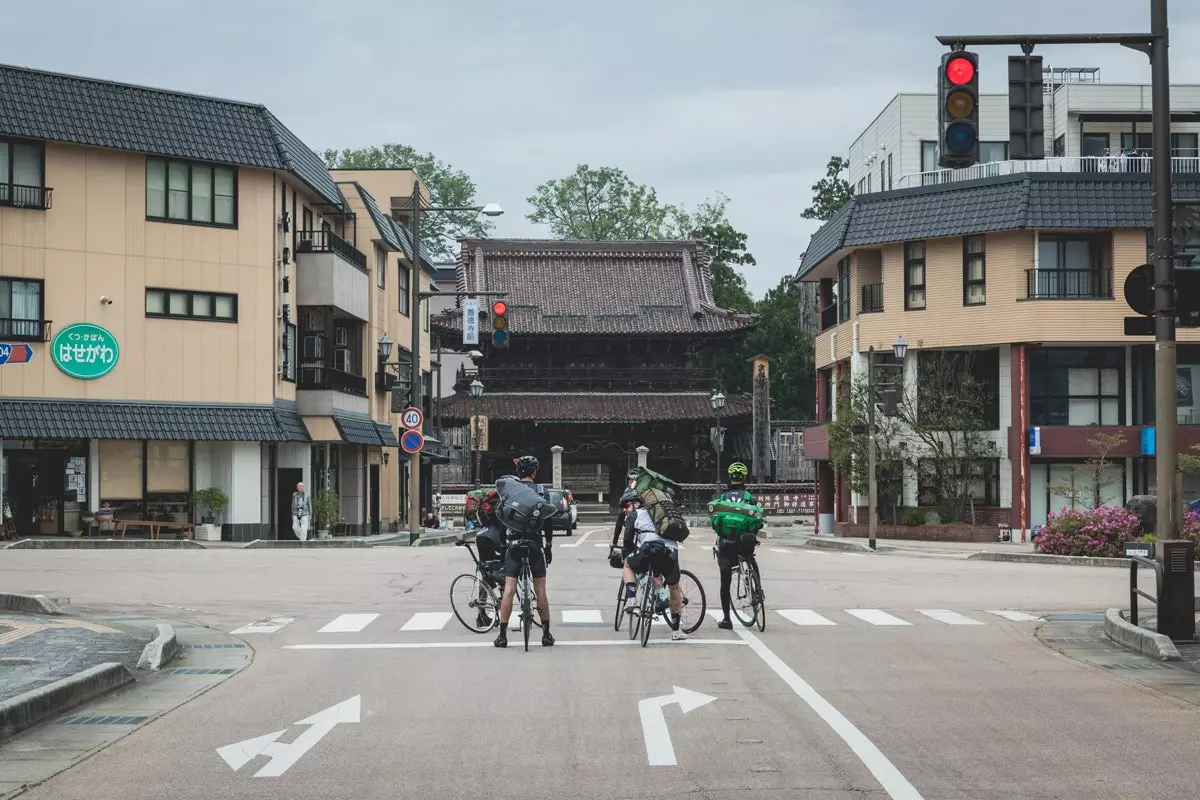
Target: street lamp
899,350
385,348
414,470
476,393
717,401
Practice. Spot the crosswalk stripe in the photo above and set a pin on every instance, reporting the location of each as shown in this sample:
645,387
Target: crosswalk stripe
266,625
947,616
876,617
427,621
803,616
575,616
349,623
1015,616
779,550
599,544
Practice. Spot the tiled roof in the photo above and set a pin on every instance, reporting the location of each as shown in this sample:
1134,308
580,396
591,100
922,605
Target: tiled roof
383,223
593,407
290,424
386,434
1027,200
105,419
357,428
557,287
99,113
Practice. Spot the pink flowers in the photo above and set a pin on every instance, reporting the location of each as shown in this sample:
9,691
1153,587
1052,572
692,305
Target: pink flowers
1189,528
1100,532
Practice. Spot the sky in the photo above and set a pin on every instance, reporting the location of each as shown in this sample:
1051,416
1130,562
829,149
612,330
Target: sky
693,97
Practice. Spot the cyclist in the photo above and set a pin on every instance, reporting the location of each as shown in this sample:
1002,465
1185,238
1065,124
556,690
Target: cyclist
539,559
653,553
626,500
727,550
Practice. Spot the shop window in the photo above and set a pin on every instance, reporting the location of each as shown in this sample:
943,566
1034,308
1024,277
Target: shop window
167,467
1070,386
121,471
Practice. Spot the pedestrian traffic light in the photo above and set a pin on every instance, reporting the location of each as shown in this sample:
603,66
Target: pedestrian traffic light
500,324
958,110
1026,123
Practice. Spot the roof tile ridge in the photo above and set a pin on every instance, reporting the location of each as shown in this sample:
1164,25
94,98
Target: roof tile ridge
1023,205
694,300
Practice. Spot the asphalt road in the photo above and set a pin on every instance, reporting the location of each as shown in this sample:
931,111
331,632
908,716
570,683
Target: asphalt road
884,676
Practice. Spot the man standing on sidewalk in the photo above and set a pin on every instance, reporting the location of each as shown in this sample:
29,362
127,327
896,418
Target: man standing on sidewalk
301,511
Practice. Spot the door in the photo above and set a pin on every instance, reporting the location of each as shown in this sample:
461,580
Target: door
373,498
288,478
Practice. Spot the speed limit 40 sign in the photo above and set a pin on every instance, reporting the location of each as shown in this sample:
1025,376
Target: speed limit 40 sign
412,418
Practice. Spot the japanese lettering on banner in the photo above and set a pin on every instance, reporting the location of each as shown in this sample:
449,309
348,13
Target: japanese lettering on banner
788,503
470,311
85,351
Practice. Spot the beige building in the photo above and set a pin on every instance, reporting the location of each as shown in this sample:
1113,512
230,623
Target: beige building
188,299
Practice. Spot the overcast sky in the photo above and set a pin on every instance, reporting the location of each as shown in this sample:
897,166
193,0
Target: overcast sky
690,96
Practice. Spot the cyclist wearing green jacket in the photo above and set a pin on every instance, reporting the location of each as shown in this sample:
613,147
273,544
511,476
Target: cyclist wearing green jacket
727,550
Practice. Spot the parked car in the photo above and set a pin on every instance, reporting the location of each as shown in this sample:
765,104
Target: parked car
565,518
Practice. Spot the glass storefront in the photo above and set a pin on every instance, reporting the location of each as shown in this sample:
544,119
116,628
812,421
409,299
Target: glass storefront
45,484
146,480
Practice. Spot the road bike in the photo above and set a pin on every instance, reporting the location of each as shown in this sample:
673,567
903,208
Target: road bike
525,596
749,604
647,605
478,593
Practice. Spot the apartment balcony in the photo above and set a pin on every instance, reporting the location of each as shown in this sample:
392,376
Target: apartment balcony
39,198
1068,284
25,330
331,272
1075,164
872,298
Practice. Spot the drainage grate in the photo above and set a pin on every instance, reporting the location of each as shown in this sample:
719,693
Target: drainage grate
1136,666
1074,640
197,671
103,720
213,646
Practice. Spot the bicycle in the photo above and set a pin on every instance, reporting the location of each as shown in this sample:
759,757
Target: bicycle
525,594
481,590
749,604
646,605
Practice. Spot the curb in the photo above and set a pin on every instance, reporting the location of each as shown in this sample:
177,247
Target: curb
441,538
1121,631
838,544
105,544
28,709
1042,558
258,544
160,650
29,604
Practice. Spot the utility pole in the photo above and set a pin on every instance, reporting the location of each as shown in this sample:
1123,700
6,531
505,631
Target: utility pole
414,290
872,485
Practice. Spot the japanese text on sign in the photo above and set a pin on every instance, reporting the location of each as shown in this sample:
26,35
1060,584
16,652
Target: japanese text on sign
85,351
470,310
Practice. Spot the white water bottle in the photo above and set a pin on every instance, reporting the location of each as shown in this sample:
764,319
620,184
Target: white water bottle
662,594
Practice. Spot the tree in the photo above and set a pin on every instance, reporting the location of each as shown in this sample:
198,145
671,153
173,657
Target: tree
1088,481
447,187
600,204
849,440
831,192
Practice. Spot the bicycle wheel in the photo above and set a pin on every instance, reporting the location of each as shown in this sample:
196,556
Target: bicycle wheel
760,605
474,603
741,595
620,605
526,607
634,613
649,598
695,606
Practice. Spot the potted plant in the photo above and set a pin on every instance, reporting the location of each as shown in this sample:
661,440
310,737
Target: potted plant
215,502
326,509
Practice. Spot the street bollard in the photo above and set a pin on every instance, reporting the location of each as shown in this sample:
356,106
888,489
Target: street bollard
1177,594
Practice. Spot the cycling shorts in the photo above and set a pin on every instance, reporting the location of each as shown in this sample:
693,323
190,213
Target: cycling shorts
517,549
664,561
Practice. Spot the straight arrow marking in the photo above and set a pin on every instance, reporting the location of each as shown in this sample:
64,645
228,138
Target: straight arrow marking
284,755
659,750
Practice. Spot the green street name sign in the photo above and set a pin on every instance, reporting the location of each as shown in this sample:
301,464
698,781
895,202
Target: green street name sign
85,351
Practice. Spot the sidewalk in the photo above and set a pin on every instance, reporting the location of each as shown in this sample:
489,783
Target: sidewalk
897,546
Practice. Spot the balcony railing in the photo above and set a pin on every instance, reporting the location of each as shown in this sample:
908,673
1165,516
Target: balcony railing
872,298
25,330
1068,284
829,316
593,378
330,242
19,196
1105,164
320,377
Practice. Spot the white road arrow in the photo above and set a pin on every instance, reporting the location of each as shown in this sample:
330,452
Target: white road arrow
659,750
284,755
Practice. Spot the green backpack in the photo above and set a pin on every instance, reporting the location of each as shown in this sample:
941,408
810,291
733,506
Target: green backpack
732,520
649,479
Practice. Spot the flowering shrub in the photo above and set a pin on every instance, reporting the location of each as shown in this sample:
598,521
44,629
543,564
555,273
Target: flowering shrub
1189,528
1101,532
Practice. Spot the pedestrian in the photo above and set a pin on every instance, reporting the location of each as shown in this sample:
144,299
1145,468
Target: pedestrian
301,512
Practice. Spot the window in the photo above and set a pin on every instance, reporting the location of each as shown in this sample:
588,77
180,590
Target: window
1066,252
889,172
882,175
307,219
1184,145
914,276
1139,141
289,352
990,152
181,304
843,289
182,191
22,174
168,466
21,307
1070,267
347,346
121,469
1060,146
380,268
942,376
1093,145
402,299
983,486
1069,386
929,156
974,270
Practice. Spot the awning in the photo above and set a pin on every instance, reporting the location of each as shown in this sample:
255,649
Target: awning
357,428
108,419
386,434
322,429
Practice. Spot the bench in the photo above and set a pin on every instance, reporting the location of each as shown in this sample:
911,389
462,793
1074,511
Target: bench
154,527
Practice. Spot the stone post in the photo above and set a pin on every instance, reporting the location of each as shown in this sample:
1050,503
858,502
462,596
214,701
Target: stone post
556,465
643,455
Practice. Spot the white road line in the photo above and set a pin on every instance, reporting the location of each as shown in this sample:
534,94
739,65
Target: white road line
803,616
267,625
1015,616
890,778
812,551
581,540
598,544
427,621
876,617
349,623
488,643
591,615
947,616
779,550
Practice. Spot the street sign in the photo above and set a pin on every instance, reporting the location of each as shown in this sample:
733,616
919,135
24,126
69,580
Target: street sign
1035,441
470,320
659,750
284,755
412,441
15,353
85,351
412,418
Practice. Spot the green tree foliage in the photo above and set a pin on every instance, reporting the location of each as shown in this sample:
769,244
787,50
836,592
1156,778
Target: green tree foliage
600,204
447,187
848,443
831,192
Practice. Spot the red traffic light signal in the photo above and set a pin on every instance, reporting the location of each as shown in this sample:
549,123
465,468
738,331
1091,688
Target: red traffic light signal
960,70
500,308
500,334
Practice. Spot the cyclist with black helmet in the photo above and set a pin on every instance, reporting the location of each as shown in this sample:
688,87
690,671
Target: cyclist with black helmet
539,559
625,503
728,550
648,550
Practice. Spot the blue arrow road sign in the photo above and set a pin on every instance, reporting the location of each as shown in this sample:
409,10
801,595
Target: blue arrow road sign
412,441
15,353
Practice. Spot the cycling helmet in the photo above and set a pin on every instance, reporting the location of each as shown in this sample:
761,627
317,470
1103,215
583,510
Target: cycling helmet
526,466
629,496
738,471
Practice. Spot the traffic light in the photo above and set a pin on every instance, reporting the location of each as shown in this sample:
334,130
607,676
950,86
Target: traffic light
1139,295
958,110
1026,124
499,324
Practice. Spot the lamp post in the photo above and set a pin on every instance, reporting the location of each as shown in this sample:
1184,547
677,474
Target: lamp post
717,401
899,350
476,393
414,307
